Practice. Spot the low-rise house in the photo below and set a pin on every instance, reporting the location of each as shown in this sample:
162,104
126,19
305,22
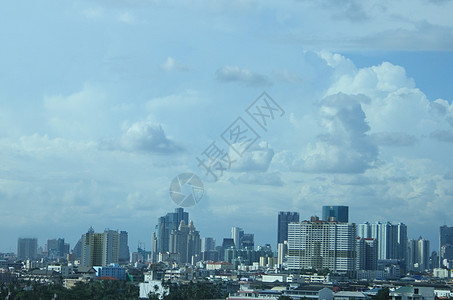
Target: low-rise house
413,293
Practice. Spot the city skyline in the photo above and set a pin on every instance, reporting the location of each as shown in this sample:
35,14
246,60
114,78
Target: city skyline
385,232
103,104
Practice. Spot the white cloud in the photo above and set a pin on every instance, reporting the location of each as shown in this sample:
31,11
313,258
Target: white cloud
143,136
248,77
82,113
346,148
126,17
172,64
393,139
256,159
272,179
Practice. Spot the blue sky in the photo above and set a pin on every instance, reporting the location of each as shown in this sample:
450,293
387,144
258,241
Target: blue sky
103,103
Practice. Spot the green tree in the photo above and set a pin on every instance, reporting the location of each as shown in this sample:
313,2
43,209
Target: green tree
382,294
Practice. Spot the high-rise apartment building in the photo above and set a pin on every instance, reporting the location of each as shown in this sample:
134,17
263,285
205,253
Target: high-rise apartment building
391,238
335,213
164,227
284,218
100,249
418,255
27,248
319,244
367,254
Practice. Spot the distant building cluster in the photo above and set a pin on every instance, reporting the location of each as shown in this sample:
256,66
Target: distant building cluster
309,252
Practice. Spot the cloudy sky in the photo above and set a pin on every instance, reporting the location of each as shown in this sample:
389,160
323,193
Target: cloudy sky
103,103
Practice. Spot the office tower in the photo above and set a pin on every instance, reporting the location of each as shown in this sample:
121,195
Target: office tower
284,218
248,241
335,213
27,248
237,234
207,244
100,249
166,224
186,242
418,255
318,244
367,254
446,243
124,254
57,248
391,238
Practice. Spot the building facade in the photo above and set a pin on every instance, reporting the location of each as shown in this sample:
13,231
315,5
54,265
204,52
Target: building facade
338,213
100,249
27,248
284,218
391,238
418,257
320,245
165,225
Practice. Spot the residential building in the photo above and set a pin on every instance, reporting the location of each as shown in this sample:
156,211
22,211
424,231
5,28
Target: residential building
318,245
418,255
100,249
391,238
27,248
367,254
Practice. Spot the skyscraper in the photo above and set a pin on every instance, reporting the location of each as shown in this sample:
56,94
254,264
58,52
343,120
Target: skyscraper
27,248
166,224
186,242
418,255
284,218
247,241
319,244
124,254
391,238
207,244
446,243
337,213
237,234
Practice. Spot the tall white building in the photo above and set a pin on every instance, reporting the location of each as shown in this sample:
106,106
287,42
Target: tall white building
319,245
237,234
